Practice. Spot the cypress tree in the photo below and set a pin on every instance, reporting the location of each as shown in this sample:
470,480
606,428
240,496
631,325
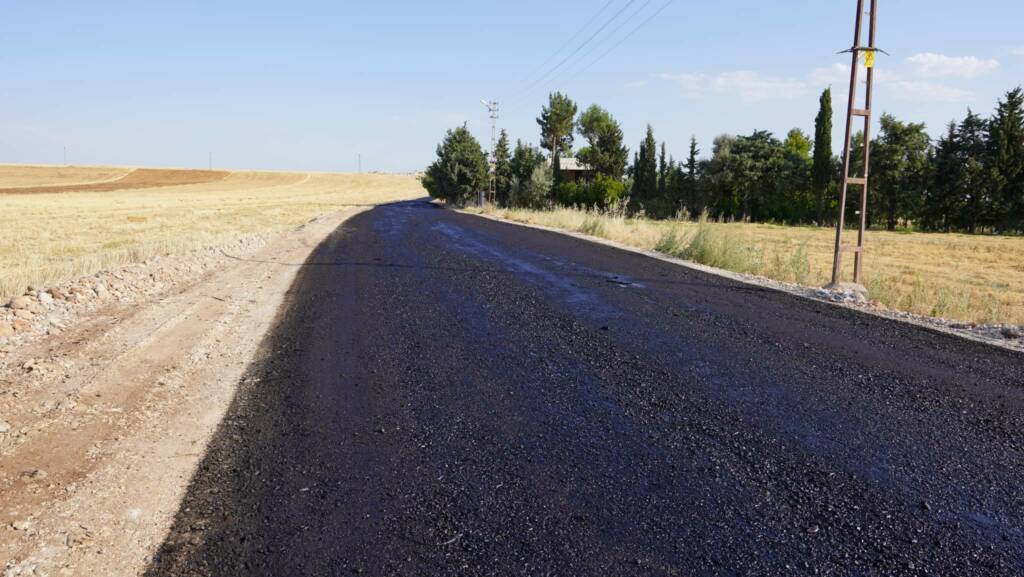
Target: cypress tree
502,170
822,167
645,172
662,172
693,198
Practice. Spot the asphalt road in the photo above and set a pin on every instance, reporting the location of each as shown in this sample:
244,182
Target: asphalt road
448,395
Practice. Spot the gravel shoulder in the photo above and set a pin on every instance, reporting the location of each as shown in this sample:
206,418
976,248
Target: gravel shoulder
110,389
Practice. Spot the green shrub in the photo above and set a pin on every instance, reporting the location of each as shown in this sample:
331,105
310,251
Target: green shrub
568,194
602,192
532,193
605,191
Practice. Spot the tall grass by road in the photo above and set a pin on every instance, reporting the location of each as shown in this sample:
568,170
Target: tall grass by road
956,276
47,238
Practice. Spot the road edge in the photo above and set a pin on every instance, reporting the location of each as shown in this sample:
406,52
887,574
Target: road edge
801,291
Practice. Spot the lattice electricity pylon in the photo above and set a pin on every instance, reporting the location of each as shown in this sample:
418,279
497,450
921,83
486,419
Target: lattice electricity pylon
852,111
492,108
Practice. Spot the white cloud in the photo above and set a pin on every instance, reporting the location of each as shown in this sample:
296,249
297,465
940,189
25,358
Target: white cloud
931,65
921,91
750,86
693,85
1018,51
835,74
753,87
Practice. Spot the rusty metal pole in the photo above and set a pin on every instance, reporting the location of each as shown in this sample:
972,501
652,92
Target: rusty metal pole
837,260
858,259
851,111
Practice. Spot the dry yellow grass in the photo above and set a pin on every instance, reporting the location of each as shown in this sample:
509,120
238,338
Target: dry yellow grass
48,238
956,276
23,176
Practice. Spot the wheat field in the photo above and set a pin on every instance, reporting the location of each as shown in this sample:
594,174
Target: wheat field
61,223
955,276
105,217
27,175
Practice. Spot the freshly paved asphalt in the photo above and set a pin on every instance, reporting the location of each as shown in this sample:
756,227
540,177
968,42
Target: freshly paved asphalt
447,395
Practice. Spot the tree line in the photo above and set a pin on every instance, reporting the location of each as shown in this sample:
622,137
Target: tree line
971,179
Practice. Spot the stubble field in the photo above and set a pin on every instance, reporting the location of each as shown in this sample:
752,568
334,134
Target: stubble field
61,223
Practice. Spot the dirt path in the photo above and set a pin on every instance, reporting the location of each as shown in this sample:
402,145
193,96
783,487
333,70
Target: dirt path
107,421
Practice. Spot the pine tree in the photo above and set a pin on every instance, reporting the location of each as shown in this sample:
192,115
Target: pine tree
1006,152
973,182
941,201
460,171
822,171
604,152
899,166
747,174
556,122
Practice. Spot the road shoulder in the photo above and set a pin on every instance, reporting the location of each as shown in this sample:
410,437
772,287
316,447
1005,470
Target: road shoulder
107,419
981,334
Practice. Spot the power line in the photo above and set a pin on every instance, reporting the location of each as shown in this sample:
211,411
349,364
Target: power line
614,31
620,42
567,42
577,50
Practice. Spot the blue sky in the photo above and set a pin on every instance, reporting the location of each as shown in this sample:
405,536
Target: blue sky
309,85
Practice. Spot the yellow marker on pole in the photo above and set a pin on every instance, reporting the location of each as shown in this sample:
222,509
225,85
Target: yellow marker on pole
869,59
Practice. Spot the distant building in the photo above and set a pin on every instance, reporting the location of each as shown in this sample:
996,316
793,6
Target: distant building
573,170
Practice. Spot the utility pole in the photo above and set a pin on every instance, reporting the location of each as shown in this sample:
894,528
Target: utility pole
65,155
211,161
360,161
868,53
492,109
